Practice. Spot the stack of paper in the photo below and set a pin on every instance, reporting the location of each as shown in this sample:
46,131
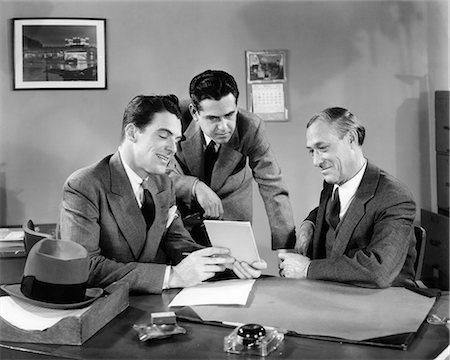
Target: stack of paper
11,239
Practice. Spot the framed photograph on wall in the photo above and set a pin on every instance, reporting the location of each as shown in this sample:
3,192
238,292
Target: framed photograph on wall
267,84
59,53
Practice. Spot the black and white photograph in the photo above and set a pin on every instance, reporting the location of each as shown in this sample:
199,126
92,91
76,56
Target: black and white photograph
59,53
266,65
224,180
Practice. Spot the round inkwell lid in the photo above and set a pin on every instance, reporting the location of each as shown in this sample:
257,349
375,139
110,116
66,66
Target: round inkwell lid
251,334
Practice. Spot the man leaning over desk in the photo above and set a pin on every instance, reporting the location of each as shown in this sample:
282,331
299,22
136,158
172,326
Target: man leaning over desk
222,151
122,209
362,232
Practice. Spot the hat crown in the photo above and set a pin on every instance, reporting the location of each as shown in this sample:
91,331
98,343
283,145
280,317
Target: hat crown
58,262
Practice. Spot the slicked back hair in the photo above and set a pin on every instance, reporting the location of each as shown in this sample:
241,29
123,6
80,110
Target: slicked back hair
212,84
342,120
141,109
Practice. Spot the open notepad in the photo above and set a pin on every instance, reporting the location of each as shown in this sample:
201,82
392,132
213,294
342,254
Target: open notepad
234,235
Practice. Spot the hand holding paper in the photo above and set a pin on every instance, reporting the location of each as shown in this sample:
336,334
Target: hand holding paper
249,271
199,266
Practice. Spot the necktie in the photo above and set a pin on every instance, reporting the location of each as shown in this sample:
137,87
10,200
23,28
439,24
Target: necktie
210,159
148,206
335,209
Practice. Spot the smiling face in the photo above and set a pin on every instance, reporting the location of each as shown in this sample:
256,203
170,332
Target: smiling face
151,148
338,159
217,118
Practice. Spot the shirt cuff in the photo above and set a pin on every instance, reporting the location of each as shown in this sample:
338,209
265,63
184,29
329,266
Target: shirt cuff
306,269
166,277
308,221
193,188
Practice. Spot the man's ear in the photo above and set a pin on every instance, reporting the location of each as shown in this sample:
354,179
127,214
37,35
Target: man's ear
131,132
352,137
193,110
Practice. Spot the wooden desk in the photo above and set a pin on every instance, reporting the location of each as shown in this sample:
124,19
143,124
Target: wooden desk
118,340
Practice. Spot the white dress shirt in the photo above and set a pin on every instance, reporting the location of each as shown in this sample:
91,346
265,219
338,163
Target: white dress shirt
348,189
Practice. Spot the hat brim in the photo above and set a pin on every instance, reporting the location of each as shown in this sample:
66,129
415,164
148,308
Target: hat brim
91,295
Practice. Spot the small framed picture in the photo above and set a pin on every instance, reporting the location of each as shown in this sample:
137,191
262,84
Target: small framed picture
59,53
266,65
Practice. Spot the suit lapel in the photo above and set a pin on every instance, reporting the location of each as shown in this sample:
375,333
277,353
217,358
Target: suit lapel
357,209
192,147
125,207
228,158
226,162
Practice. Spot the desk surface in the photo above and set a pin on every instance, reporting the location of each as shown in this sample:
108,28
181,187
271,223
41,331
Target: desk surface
118,340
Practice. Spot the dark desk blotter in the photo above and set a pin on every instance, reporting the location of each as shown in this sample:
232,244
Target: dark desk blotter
73,330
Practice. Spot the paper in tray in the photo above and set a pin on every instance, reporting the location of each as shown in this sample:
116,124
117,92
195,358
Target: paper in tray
73,330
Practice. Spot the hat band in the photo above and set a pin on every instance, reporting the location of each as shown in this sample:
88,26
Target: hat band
52,293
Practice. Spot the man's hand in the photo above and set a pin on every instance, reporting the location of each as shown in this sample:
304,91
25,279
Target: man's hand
199,266
208,200
246,271
293,265
304,237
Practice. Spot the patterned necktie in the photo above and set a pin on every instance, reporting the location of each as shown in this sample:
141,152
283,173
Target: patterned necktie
148,206
335,209
210,160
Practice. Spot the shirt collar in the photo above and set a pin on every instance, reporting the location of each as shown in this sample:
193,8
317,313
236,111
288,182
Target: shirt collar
208,140
135,179
348,189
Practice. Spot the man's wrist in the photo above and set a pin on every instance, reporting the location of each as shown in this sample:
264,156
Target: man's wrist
167,277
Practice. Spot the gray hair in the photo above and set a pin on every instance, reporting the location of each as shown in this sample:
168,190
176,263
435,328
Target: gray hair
342,120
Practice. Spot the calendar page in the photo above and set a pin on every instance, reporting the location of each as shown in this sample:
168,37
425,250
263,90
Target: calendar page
268,98
267,84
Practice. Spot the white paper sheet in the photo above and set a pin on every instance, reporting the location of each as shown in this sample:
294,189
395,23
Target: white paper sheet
31,317
268,98
224,292
11,234
236,236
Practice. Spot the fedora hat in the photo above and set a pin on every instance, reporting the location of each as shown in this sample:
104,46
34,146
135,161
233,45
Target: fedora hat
55,276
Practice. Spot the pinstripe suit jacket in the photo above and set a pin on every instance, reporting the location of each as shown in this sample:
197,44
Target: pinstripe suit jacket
100,211
246,156
375,243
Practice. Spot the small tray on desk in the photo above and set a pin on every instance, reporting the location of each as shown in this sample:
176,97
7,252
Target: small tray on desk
73,330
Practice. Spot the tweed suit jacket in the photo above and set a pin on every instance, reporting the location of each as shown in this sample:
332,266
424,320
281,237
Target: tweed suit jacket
245,157
375,242
100,211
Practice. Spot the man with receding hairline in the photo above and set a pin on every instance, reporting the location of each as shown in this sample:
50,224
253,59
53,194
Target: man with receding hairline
362,232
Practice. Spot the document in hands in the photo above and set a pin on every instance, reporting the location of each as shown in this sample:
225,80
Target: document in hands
234,235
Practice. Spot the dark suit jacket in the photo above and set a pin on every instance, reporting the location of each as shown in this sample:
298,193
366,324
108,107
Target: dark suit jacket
245,157
375,243
100,211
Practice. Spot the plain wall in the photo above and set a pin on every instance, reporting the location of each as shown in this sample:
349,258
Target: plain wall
382,60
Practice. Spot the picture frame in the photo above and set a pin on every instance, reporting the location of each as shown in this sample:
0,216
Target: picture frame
267,84
59,53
